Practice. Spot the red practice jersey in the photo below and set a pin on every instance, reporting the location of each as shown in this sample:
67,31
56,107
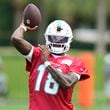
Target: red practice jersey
44,92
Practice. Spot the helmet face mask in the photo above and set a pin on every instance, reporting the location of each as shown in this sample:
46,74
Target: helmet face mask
58,37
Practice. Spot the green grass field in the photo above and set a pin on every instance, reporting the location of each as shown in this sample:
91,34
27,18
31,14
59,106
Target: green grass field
14,67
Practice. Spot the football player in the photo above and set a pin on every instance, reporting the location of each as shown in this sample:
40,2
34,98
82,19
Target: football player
52,73
107,77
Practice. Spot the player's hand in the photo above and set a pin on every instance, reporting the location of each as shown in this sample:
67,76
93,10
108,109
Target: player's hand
31,29
27,28
45,52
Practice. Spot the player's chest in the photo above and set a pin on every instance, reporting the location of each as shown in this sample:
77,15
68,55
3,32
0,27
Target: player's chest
42,81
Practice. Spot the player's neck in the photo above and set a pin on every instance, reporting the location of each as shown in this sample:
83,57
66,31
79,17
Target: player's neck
58,55
62,54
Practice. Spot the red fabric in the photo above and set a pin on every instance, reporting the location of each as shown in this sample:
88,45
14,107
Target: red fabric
44,92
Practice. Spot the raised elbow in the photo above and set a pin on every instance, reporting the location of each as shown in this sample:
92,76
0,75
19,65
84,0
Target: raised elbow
14,39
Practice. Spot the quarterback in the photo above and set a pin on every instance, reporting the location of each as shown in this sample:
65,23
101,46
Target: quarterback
52,73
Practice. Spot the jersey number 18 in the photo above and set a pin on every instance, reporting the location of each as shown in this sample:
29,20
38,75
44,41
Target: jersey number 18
47,87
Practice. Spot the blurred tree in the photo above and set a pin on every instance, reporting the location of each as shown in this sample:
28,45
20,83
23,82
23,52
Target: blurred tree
17,6
5,24
42,4
6,19
76,12
85,13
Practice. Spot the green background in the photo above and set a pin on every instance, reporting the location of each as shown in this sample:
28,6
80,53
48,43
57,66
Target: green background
14,67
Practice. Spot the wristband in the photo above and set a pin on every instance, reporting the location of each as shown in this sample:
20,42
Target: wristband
24,27
47,63
78,75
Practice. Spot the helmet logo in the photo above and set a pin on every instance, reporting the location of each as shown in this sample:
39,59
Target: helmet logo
59,28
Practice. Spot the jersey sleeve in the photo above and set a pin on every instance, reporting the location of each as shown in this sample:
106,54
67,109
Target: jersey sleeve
30,58
79,68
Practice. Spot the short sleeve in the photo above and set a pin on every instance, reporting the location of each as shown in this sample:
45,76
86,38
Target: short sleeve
29,56
35,55
79,68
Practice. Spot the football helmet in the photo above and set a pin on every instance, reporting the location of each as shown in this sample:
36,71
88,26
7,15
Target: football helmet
58,37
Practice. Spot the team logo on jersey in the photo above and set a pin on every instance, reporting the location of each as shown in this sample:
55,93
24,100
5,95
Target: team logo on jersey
67,62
